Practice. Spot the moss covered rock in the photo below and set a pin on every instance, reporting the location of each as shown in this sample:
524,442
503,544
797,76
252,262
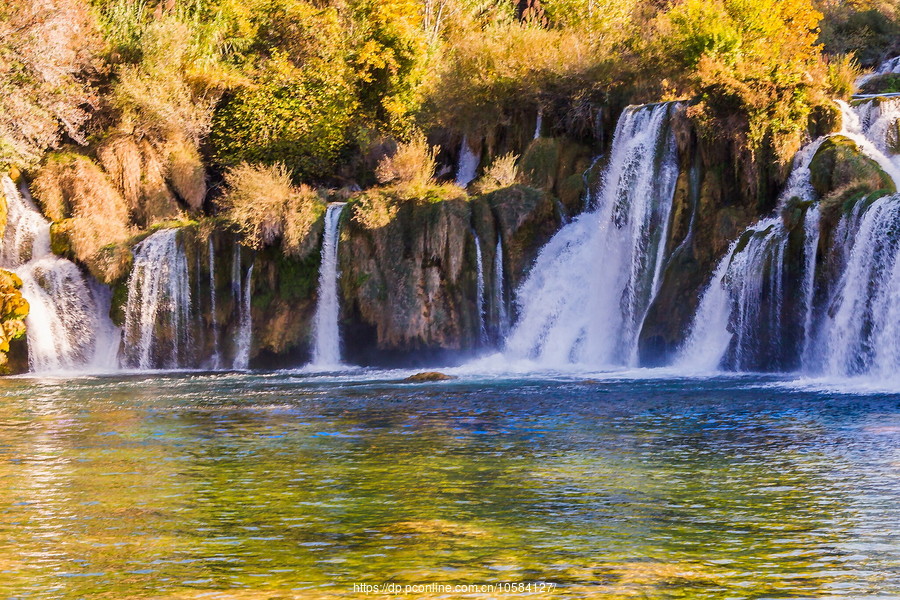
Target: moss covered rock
842,175
526,218
839,165
13,310
428,376
408,283
61,238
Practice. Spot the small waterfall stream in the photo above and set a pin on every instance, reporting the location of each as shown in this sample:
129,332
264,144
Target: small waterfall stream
326,328
245,323
586,297
500,293
216,363
158,310
467,168
811,232
240,293
68,327
479,291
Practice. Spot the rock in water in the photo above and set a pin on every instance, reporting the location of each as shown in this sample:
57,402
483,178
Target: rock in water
428,376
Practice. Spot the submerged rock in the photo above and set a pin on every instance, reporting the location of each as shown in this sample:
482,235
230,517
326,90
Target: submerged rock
429,376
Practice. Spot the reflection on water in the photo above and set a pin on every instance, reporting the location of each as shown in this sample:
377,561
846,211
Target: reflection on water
283,486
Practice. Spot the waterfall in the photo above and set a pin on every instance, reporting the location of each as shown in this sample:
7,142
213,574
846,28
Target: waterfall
891,65
68,327
245,322
744,320
479,290
861,329
241,296
467,168
746,336
563,214
500,292
738,324
326,329
872,125
213,307
585,177
157,312
589,290
539,124
810,254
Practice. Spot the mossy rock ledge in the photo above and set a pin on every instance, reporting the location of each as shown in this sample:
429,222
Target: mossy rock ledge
13,310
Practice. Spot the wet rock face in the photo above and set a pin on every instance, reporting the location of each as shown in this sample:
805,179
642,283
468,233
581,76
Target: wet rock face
719,193
409,286
404,284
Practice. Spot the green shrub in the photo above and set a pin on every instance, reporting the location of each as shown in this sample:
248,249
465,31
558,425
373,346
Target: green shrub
502,173
300,118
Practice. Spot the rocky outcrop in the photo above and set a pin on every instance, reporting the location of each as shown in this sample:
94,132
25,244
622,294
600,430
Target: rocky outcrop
841,175
409,283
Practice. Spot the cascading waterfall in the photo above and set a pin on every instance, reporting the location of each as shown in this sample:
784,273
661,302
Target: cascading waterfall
744,320
326,329
68,327
861,330
810,254
738,324
872,125
538,125
479,290
467,168
589,290
740,316
892,65
500,292
158,310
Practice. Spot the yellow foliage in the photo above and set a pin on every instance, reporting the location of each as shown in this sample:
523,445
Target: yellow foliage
502,173
74,187
265,207
411,166
754,59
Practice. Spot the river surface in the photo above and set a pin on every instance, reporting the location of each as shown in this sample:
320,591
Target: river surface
292,485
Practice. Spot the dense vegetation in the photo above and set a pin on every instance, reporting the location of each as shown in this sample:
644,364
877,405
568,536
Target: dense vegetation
156,99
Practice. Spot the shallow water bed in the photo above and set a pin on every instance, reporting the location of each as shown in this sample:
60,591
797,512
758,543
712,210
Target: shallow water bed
292,485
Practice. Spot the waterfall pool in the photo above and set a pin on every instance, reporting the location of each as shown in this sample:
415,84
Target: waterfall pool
304,485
